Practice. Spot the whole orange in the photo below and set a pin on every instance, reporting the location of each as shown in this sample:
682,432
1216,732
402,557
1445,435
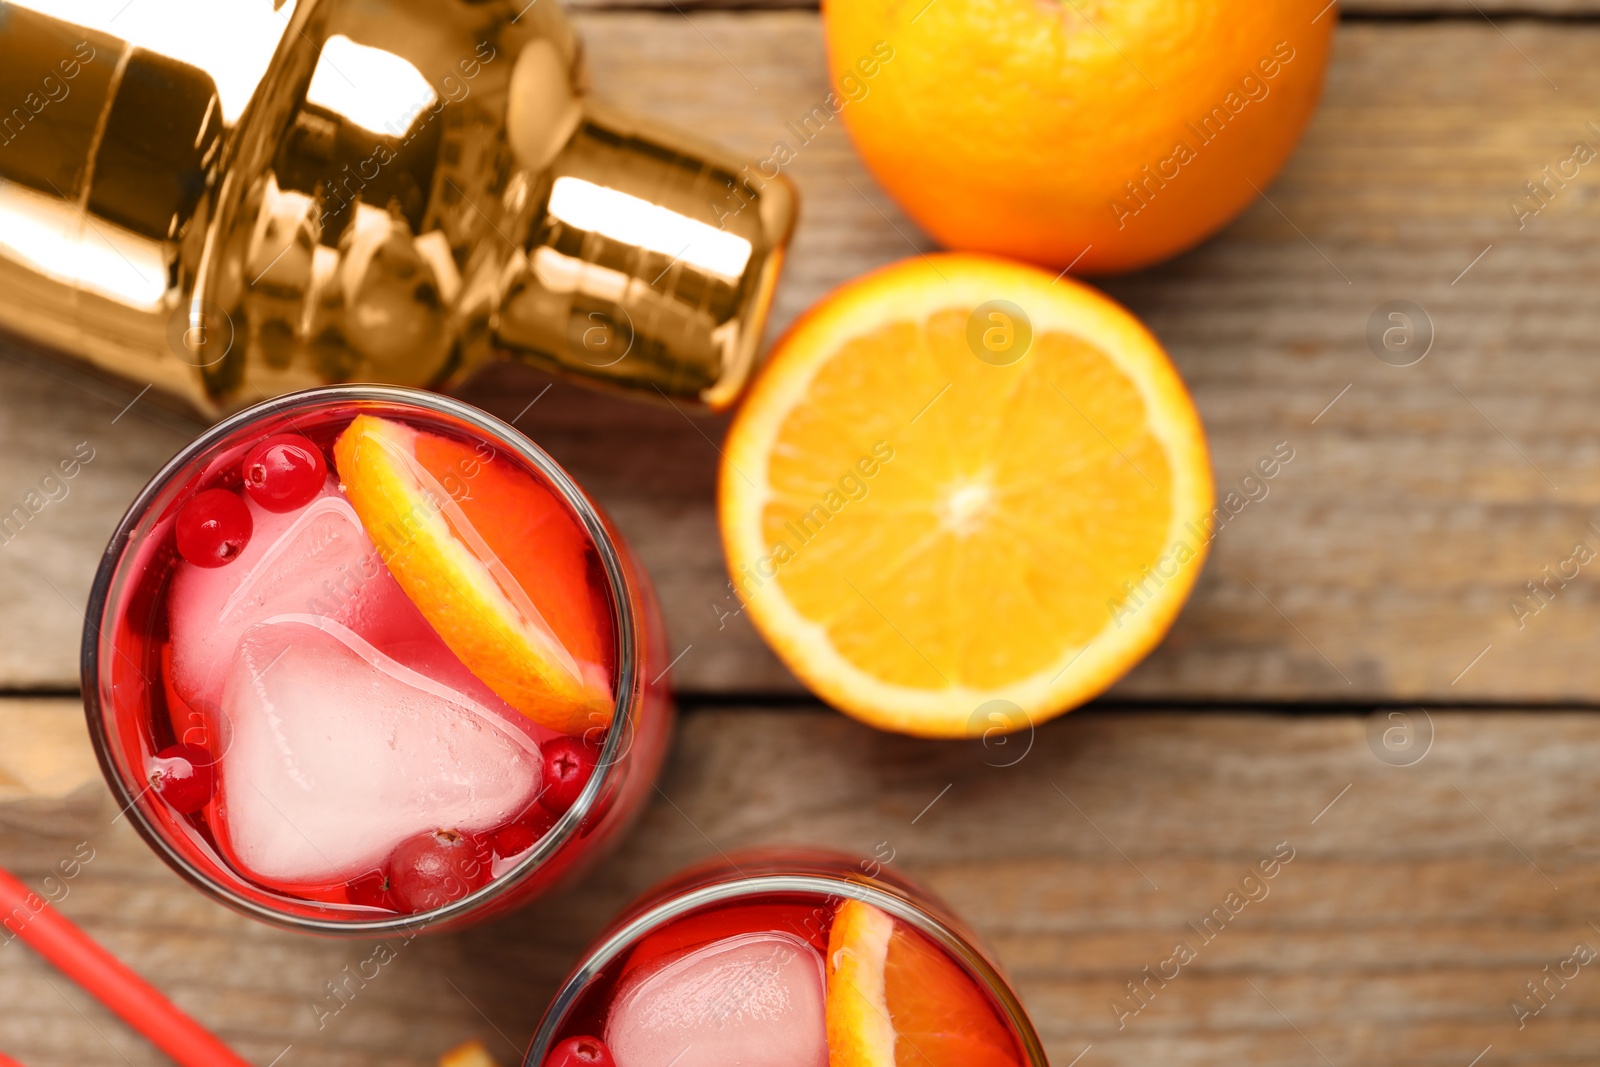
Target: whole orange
1102,134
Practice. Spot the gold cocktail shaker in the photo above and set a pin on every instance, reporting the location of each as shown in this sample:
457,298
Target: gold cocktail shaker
233,199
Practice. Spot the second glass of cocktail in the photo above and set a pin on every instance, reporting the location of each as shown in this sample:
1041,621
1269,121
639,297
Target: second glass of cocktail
786,958
365,658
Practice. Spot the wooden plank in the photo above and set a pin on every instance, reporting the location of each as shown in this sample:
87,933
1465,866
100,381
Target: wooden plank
1386,556
1418,900
1468,9
1348,8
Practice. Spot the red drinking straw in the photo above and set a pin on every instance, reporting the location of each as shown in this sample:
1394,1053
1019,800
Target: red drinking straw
48,932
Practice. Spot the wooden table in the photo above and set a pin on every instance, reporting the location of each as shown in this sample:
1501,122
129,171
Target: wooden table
1376,580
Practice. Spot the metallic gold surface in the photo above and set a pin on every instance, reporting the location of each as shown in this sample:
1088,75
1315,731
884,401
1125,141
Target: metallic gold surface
233,199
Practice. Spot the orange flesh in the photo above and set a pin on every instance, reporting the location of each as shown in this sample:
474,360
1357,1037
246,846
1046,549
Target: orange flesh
1065,504
897,1000
538,539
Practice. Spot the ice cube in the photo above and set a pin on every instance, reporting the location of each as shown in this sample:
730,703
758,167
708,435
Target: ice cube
317,561
333,753
755,1000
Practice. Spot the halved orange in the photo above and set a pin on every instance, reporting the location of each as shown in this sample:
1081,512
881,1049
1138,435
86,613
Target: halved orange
894,999
964,496
493,560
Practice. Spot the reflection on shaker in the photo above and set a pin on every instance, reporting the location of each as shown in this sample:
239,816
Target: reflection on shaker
361,193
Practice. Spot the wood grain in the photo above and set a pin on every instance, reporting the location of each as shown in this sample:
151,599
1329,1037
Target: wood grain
1418,900
1496,10
1387,555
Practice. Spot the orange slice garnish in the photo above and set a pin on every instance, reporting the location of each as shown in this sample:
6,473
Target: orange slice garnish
894,999
495,562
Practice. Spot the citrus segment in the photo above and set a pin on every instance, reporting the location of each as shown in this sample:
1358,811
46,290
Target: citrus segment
920,525
493,560
894,999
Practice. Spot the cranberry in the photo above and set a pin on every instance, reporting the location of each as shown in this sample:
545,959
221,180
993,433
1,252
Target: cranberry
213,528
580,1052
183,776
568,762
515,838
284,472
371,890
433,868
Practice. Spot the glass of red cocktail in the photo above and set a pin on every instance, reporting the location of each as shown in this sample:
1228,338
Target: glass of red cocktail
363,659
786,959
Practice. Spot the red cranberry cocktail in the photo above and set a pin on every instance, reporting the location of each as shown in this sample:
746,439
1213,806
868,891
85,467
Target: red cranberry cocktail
786,960
362,658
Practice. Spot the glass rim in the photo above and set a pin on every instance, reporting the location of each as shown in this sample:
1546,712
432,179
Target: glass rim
900,904
624,604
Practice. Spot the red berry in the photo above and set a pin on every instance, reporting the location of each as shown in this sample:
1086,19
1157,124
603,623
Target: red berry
371,890
513,839
568,763
580,1052
213,528
284,472
183,776
431,869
